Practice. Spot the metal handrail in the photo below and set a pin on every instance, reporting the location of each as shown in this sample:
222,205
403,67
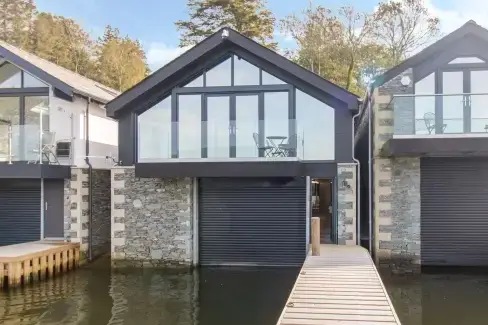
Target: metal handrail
435,95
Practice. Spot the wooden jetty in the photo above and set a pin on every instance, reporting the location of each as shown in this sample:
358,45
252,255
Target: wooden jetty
341,286
35,261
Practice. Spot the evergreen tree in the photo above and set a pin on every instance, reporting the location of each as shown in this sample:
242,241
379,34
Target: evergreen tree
249,17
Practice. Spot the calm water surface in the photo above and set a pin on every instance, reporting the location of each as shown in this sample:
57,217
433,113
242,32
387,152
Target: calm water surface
440,299
95,295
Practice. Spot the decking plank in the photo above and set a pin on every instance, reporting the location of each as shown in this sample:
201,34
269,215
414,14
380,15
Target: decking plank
341,286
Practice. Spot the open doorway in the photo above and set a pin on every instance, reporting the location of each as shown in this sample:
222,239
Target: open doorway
323,207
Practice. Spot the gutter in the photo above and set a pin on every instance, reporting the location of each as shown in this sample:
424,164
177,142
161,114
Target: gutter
358,183
90,176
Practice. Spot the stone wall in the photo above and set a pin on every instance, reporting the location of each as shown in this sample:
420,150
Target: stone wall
151,220
77,226
347,189
101,223
396,201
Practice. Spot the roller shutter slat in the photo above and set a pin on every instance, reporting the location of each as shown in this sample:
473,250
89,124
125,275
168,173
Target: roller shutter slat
20,204
252,221
454,210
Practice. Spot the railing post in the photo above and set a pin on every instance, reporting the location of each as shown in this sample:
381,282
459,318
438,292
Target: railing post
10,144
315,236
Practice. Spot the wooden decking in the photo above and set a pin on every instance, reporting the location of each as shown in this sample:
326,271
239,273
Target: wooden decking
339,287
33,261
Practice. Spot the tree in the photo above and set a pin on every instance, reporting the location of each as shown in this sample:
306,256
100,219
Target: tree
404,27
337,47
121,61
249,17
16,18
62,41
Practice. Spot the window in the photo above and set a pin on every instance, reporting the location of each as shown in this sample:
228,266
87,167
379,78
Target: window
10,76
10,110
37,111
31,81
269,79
466,60
247,126
276,117
220,75
190,126
154,127
424,105
315,128
245,73
197,82
63,149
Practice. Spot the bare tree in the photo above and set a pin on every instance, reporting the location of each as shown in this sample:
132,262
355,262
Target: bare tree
404,27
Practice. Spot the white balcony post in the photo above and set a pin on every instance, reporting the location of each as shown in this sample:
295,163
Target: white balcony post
10,143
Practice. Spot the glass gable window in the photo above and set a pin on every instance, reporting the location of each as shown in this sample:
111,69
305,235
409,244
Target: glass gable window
245,73
466,60
234,114
315,128
10,76
154,132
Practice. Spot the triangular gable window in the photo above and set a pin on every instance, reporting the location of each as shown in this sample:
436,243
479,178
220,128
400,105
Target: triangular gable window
462,60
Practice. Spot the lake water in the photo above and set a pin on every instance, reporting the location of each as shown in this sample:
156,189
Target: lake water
455,298
95,295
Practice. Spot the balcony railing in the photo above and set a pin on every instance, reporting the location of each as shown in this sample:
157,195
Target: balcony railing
204,140
27,143
464,113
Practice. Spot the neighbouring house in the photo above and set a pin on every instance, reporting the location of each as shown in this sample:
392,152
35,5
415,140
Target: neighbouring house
53,128
221,152
425,123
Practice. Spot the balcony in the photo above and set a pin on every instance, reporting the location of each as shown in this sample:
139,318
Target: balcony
439,125
28,143
442,115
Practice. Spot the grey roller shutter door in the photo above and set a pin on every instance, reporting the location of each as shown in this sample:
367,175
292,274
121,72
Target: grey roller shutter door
454,211
20,211
252,221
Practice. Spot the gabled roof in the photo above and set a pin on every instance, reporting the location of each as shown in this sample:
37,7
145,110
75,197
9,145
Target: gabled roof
469,28
63,79
229,36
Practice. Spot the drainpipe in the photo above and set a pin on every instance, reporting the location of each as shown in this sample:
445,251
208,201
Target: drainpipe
358,183
90,183
370,172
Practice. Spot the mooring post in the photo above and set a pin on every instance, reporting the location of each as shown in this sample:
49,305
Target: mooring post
315,236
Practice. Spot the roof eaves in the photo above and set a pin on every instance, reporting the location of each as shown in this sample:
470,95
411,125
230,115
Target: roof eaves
36,71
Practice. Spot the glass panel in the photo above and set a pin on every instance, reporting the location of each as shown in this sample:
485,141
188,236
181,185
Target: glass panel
247,126
31,81
10,76
245,73
9,113
276,122
315,128
218,127
197,82
425,106
452,108
220,75
154,132
189,126
269,79
479,103
467,60
37,107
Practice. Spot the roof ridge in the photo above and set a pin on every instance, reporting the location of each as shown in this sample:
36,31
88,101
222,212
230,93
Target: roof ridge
57,65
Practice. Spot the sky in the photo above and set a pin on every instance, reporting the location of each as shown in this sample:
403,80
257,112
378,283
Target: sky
152,21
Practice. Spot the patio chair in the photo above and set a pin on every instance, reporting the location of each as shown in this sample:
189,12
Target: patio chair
48,148
289,149
267,149
429,120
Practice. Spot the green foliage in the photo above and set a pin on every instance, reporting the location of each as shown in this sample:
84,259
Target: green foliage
116,61
249,17
121,61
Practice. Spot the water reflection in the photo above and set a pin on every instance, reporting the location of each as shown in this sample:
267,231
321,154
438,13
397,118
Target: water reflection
447,299
95,295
